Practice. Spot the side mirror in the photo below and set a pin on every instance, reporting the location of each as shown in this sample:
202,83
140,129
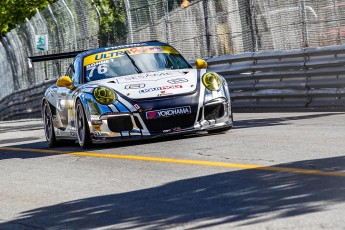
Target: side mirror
200,64
64,81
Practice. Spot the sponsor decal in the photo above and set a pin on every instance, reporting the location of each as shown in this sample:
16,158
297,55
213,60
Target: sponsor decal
168,112
111,113
72,133
96,122
125,46
96,64
163,93
111,54
135,86
97,133
177,80
156,49
142,77
160,88
136,106
177,129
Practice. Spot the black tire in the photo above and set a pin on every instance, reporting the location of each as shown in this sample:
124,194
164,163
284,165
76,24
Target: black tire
82,126
220,130
48,124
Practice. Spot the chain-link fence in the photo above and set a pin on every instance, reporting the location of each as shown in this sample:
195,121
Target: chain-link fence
69,24
202,28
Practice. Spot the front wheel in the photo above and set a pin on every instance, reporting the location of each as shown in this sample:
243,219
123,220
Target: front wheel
83,131
48,125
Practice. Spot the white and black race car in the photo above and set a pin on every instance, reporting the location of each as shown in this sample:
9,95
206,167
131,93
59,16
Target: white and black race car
133,91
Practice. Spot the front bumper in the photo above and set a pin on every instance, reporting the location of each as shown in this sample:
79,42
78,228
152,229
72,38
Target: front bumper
215,114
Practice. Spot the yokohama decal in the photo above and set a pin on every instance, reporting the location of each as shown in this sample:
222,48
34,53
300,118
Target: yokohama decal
168,112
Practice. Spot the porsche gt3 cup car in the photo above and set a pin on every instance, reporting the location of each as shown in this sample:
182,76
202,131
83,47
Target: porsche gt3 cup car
134,91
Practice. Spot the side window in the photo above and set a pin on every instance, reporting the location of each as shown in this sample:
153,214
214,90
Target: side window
69,72
77,70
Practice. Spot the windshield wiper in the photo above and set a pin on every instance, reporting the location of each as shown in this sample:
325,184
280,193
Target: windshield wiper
133,62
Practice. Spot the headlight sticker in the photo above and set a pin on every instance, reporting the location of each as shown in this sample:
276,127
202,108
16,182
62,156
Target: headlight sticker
104,95
212,81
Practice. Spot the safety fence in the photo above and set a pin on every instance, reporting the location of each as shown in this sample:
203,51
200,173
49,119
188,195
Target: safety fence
305,78
69,25
197,28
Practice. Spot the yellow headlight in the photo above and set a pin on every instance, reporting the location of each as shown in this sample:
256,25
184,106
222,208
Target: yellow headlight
104,95
212,81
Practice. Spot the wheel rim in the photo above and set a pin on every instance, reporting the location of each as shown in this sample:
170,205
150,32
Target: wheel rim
80,124
48,123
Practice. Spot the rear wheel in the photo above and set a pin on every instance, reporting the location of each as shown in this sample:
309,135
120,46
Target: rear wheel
48,124
83,131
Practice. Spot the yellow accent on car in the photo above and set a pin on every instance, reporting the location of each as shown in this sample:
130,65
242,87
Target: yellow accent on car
107,55
104,95
201,64
212,81
64,81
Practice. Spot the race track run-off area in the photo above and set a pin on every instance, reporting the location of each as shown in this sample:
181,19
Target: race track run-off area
271,171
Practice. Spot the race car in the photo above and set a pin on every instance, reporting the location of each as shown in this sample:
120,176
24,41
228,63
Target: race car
133,91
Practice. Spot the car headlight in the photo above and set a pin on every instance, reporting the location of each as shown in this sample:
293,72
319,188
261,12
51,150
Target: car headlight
104,95
212,81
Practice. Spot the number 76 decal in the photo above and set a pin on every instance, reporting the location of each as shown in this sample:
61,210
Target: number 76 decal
101,69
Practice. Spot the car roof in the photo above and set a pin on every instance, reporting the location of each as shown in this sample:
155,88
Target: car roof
139,44
84,53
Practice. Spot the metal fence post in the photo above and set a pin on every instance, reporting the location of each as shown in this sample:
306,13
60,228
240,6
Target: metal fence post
11,58
129,19
304,24
251,15
73,22
57,30
99,22
207,30
167,20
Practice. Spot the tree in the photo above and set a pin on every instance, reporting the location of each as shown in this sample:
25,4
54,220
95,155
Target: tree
13,12
113,21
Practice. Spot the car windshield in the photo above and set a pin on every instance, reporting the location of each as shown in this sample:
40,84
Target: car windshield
142,59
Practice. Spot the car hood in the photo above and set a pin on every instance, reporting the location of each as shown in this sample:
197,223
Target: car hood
154,84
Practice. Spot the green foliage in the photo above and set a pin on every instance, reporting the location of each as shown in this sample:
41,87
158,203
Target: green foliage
113,17
13,12
113,21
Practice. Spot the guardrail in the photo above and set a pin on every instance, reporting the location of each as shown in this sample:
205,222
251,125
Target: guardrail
307,78
24,103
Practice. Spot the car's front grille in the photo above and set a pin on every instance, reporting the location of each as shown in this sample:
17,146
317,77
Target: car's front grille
120,123
213,111
170,123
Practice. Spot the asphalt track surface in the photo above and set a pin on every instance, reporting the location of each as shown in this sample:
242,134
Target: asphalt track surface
272,171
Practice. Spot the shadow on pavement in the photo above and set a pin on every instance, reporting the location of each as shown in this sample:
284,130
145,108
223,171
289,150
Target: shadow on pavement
230,197
71,146
252,123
